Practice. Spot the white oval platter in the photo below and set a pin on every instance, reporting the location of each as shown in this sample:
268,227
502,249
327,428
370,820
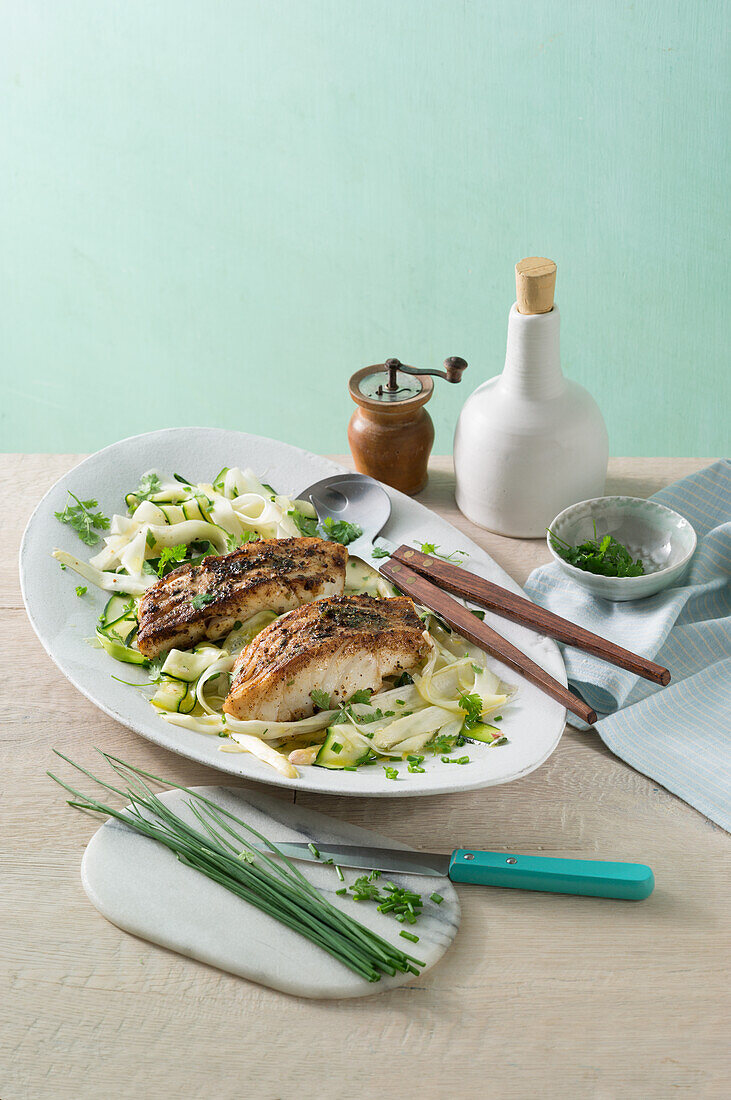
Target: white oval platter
533,723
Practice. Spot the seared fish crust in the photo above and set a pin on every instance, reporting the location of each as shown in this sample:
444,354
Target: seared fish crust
271,574
338,645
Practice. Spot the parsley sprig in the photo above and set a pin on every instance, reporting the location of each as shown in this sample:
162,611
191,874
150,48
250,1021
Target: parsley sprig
169,555
334,530
80,517
606,557
472,706
201,600
341,531
149,485
433,549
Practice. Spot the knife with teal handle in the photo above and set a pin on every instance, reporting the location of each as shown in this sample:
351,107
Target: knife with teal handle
588,877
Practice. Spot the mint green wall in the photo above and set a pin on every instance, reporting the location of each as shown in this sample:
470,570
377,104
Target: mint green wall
213,212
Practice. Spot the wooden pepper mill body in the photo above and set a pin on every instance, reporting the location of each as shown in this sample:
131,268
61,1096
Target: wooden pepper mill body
392,441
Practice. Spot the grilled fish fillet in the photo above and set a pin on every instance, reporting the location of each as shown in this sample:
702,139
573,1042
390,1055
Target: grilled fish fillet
271,574
338,645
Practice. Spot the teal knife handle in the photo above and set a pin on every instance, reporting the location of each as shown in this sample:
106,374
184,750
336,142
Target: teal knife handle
595,878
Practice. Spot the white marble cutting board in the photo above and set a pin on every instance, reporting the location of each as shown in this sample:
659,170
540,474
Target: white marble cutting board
140,886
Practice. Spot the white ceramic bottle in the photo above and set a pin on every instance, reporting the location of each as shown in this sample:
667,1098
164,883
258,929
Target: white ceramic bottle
529,442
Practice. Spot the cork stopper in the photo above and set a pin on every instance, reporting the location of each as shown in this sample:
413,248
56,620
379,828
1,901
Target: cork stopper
535,282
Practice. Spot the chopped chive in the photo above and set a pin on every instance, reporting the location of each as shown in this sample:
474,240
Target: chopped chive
340,893
409,936
436,898
314,851
340,874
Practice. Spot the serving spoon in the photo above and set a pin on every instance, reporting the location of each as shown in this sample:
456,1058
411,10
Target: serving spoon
357,499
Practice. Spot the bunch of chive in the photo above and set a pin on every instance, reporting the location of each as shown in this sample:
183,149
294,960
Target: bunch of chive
223,854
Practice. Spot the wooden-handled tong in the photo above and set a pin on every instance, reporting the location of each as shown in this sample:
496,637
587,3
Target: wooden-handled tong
428,580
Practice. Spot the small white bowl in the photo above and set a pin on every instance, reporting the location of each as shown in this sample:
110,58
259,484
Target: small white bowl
661,538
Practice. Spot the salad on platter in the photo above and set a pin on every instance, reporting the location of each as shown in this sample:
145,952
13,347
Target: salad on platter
241,617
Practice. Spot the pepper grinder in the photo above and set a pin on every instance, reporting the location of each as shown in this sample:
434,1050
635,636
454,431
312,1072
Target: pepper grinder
391,433
529,442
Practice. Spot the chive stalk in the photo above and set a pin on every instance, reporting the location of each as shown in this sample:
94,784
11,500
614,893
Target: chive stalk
220,850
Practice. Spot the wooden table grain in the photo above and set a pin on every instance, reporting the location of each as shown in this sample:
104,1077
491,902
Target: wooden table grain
540,995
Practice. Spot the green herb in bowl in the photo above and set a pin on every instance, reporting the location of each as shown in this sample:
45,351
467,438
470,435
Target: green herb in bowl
606,557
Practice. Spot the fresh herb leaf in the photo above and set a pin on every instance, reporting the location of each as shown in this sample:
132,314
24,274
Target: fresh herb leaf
341,717
250,536
341,531
321,699
363,695
202,600
433,549
83,521
472,706
403,680
478,614
168,556
379,552
205,549
304,524
442,744
149,485
335,530
373,716
81,590
607,558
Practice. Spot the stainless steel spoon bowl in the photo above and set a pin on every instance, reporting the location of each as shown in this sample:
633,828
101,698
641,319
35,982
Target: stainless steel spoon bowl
354,498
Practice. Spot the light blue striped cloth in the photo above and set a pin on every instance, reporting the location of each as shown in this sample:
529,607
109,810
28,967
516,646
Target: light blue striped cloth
679,735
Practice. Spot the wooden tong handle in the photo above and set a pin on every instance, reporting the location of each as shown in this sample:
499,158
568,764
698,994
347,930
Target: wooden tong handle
469,626
520,610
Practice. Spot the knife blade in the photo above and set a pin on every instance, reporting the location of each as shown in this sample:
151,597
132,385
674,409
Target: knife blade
369,859
586,877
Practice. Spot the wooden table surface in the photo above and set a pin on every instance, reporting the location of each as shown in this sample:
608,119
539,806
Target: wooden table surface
540,995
